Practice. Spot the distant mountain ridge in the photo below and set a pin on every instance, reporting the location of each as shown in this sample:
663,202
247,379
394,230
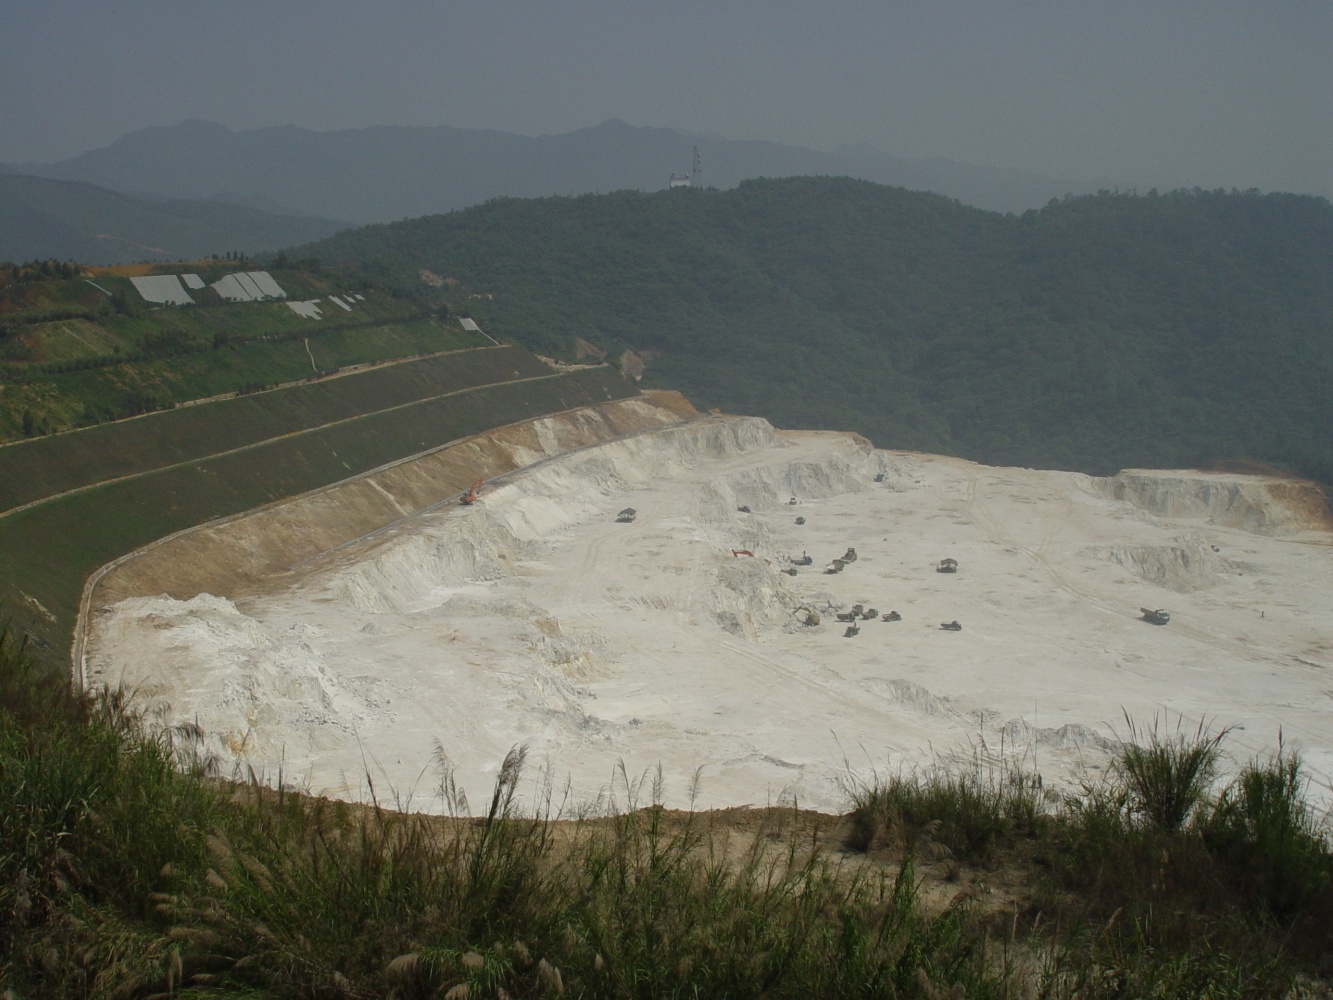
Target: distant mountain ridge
383,173
42,218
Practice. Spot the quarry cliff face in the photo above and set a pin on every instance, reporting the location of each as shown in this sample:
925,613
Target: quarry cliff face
378,630
1263,505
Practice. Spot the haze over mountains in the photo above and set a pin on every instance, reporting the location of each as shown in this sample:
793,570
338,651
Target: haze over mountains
71,220
384,173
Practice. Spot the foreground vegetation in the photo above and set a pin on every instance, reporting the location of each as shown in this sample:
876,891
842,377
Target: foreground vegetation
127,868
1096,334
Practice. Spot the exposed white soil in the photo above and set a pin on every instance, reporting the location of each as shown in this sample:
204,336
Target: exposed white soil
612,648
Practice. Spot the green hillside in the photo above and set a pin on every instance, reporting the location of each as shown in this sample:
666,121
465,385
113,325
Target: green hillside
85,349
1098,333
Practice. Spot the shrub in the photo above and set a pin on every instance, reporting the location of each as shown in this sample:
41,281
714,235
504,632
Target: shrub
1265,830
1167,775
967,815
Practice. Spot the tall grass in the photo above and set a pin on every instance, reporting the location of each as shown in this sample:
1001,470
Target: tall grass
1167,774
944,811
1264,827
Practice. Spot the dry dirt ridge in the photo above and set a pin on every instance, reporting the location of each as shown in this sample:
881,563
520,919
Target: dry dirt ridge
355,656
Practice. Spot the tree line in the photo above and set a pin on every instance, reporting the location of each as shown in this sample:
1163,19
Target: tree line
1099,332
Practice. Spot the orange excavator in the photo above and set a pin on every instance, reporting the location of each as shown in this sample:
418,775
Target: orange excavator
470,497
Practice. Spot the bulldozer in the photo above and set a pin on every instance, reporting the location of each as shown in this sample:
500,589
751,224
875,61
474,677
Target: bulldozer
470,497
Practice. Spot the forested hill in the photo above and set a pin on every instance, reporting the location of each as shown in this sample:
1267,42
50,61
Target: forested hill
1098,333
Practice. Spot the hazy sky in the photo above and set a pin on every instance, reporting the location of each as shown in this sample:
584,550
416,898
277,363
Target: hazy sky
1164,93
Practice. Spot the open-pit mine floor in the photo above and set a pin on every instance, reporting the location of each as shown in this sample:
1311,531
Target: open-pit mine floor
677,639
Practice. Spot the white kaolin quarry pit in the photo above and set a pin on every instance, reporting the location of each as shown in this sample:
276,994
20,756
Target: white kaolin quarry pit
699,637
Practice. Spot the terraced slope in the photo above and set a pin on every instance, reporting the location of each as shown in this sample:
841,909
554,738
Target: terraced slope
87,498
43,467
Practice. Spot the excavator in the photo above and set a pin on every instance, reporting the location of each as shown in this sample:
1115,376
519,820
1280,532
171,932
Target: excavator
470,497
811,615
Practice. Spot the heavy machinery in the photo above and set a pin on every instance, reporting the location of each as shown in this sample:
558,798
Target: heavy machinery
891,616
470,497
627,516
947,566
1154,616
952,626
852,630
811,616
805,560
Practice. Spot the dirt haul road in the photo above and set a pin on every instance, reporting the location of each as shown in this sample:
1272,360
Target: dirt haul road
611,649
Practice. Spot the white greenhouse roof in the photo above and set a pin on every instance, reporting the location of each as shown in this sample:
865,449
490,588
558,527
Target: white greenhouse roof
162,288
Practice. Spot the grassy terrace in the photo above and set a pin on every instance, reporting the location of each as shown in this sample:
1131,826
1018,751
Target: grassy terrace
128,869
42,467
243,453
